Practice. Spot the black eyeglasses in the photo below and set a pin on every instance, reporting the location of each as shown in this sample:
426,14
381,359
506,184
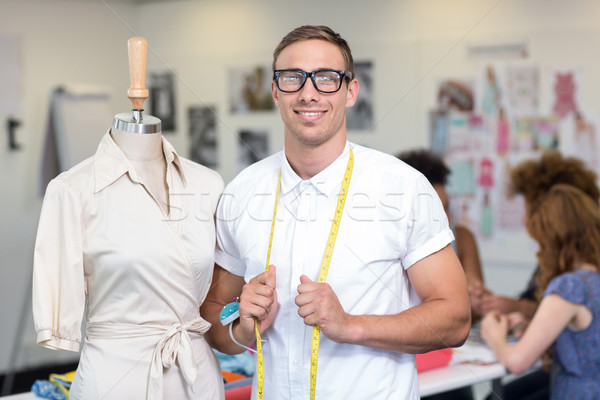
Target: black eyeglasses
324,80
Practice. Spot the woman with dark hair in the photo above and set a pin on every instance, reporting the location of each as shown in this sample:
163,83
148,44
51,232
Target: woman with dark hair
566,224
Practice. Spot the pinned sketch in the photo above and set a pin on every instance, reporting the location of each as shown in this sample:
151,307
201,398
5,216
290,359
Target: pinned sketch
250,89
253,146
490,97
203,136
523,137
564,89
461,181
523,89
546,131
360,115
162,99
438,131
579,135
454,94
502,133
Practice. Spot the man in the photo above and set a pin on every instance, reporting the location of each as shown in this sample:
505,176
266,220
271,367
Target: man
394,286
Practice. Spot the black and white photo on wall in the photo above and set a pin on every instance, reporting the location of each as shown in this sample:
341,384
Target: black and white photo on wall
203,136
162,99
250,89
253,146
360,116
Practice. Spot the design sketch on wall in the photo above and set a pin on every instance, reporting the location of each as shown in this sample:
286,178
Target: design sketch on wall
360,116
522,86
162,99
250,89
579,135
203,136
253,146
564,90
455,94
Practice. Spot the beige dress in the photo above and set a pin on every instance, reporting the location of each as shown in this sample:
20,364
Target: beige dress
106,249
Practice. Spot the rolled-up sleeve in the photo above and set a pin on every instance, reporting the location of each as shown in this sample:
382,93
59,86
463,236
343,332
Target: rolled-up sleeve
428,229
58,277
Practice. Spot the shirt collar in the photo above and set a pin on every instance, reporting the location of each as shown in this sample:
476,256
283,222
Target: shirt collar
326,181
110,163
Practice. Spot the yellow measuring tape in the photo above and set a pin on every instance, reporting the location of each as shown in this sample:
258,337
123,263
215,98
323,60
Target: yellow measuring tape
316,333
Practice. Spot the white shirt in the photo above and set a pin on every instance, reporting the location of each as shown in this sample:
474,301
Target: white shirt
104,242
392,219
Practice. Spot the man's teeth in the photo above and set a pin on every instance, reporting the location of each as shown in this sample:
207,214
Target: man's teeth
310,114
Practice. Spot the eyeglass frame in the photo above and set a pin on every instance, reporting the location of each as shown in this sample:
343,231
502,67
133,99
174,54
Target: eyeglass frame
343,74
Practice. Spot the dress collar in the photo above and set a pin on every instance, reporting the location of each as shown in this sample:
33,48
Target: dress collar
326,181
110,163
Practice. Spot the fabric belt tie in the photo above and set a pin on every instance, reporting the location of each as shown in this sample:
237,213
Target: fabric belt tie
174,346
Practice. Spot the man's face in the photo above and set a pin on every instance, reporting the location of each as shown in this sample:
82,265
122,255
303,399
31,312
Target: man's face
310,117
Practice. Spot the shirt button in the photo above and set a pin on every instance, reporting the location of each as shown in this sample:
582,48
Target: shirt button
295,361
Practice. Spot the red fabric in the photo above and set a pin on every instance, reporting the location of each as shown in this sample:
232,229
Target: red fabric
433,359
240,393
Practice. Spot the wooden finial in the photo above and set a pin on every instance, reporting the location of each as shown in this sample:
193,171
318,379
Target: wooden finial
138,55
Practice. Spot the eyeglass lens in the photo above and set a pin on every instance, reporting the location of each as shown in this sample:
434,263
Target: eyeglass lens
325,81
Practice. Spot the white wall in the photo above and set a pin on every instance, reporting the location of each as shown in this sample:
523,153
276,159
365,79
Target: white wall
413,44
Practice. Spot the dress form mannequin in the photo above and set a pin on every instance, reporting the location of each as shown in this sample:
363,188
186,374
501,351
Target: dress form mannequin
107,255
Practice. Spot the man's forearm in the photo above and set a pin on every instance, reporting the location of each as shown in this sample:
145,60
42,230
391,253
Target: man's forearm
423,328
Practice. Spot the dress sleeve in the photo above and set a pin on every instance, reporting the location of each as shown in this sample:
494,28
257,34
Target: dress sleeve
427,228
58,278
570,287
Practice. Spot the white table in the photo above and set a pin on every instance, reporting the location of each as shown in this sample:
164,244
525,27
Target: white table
452,377
471,364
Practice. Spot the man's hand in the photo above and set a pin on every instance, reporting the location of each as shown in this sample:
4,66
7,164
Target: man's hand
319,305
476,292
491,302
258,300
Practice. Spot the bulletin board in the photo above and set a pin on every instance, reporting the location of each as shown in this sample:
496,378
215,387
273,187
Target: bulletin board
485,125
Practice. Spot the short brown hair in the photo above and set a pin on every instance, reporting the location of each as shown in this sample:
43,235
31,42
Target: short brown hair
534,178
319,32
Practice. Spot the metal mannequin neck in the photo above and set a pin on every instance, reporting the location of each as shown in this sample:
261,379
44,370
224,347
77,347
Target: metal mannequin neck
137,123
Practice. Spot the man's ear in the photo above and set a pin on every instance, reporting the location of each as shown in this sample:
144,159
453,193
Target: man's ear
274,93
352,93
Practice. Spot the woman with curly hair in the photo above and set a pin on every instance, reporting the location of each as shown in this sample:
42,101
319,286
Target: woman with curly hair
566,223
532,179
